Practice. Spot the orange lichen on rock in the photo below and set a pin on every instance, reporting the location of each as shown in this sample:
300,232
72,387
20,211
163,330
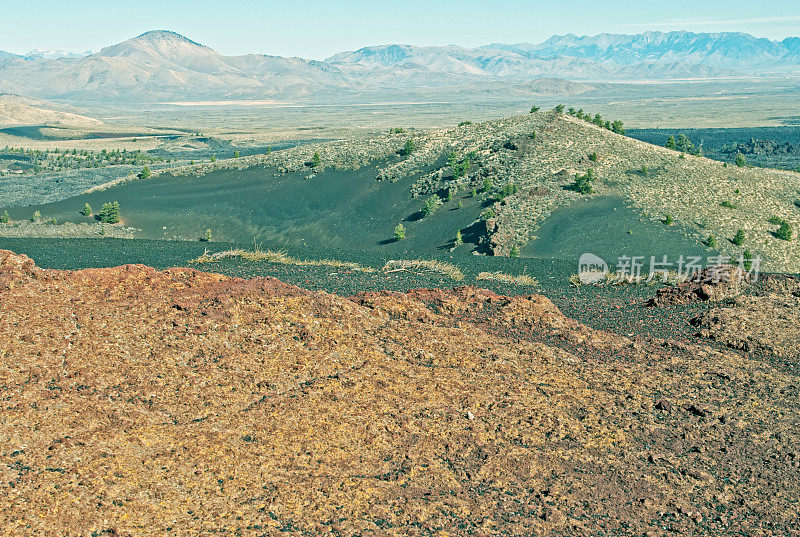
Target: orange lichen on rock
145,402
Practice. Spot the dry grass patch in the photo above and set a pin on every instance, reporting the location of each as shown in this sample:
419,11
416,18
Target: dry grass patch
432,265
502,277
268,256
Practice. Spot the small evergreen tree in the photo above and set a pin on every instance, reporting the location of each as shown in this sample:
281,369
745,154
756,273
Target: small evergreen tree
399,232
87,210
747,260
145,173
236,154
785,231
669,220
316,160
559,109
408,148
459,240
671,144
5,218
711,241
534,109
109,213
206,236
738,239
36,216
430,205
593,157
740,160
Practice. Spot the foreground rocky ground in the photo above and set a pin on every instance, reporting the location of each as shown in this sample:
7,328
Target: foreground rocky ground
143,402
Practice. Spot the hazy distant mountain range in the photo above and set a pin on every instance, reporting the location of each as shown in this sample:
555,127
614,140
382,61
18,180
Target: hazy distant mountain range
162,65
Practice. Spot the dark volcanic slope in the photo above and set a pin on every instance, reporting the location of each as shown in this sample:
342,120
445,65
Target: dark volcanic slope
146,402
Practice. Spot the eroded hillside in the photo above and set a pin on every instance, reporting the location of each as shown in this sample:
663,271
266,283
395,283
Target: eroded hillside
522,168
143,402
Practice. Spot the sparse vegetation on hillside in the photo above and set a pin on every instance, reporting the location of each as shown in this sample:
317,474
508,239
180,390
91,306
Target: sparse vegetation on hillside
36,161
614,126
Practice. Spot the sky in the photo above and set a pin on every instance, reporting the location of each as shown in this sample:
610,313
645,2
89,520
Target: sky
317,29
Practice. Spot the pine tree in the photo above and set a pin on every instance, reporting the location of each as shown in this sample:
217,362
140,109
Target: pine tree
109,213
399,232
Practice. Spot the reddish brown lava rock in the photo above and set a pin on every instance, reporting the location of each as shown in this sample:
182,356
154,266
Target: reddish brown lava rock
708,284
145,402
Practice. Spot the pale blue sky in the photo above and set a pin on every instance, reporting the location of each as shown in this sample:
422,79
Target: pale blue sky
316,28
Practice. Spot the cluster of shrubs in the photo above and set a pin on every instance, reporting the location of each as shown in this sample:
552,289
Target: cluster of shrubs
460,167
684,145
597,119
784,230
109,213
583,183
408,148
